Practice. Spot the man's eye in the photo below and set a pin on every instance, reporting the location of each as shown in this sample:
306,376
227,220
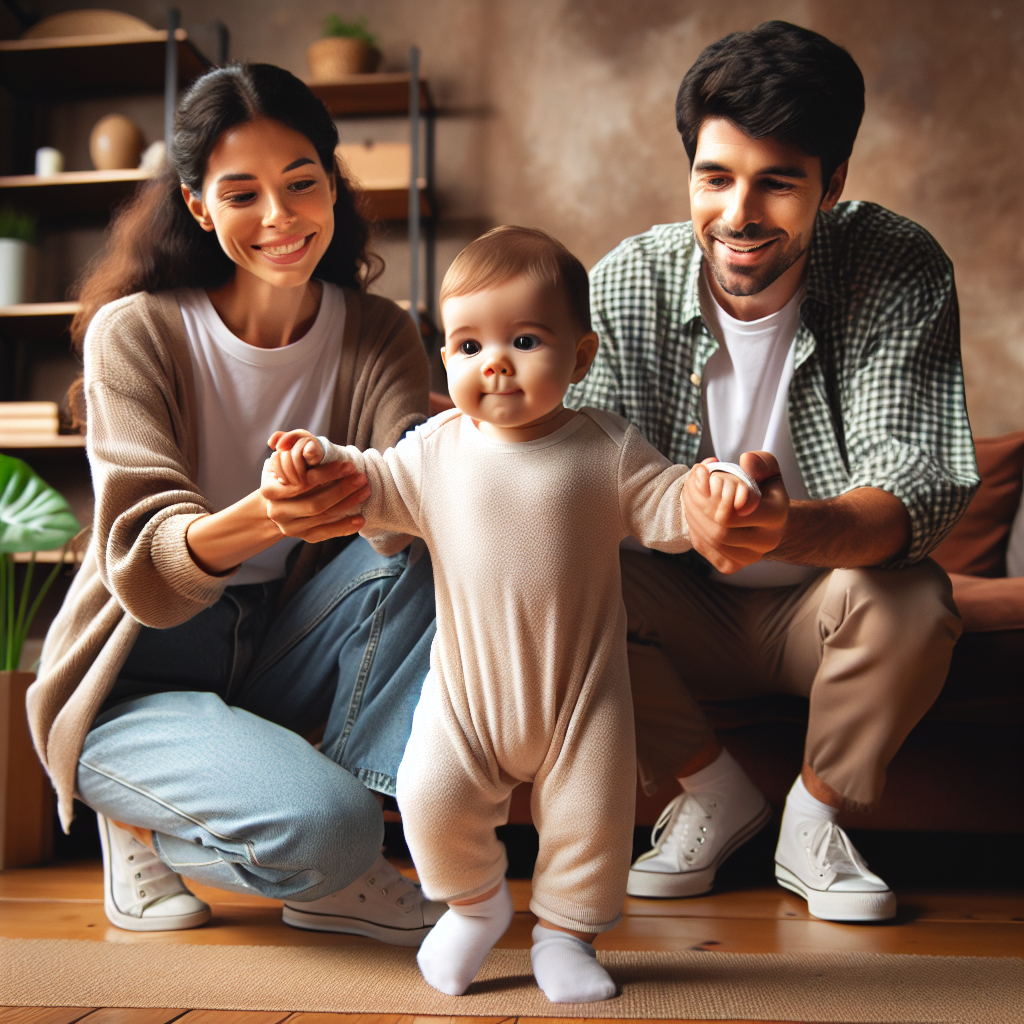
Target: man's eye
469,348
526,342
717,182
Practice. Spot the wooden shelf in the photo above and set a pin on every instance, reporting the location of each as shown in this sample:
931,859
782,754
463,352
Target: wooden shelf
16,442
89,196
76,67
36,321
377,95
48,557
72,196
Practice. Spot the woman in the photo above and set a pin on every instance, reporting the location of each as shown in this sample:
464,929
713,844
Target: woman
200,641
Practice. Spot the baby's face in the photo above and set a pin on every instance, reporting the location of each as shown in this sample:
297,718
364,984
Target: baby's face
512,351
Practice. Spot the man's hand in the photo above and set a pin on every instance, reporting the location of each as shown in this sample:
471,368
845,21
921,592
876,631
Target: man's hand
729,526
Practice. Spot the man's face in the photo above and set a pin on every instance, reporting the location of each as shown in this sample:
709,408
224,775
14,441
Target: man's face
753,203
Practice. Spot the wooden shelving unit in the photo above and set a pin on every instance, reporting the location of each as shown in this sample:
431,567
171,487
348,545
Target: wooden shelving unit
106,65
377,95
24,442
36,321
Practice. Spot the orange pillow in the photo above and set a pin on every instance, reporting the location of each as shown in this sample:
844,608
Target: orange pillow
977,544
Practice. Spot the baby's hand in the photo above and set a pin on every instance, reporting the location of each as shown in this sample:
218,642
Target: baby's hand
732,488
294,452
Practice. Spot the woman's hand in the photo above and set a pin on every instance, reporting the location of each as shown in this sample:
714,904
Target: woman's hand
328,506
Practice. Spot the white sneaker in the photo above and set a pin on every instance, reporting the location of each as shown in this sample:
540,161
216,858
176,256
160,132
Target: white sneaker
816,860
140,892
383,904
691,839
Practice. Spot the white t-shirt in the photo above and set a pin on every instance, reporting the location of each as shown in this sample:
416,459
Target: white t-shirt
746,408
245,393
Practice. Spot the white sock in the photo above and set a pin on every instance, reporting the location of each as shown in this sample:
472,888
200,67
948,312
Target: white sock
456,947
801,806
724,778
566,968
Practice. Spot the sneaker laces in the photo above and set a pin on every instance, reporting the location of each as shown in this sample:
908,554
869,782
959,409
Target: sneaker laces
665,826
830,852
386,879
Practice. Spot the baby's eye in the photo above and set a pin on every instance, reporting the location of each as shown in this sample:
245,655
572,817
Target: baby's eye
526,342
469,348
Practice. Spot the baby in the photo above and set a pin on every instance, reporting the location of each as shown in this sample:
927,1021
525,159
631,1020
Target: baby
522,504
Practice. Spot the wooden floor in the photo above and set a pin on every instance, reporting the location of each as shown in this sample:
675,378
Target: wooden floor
66,901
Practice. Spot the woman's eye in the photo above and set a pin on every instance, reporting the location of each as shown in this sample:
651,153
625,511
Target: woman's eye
301,186
241,197
526,343
469,348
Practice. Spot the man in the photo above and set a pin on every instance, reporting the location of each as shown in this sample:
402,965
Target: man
817,344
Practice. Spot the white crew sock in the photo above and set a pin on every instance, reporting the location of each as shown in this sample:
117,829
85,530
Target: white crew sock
723,776
566,968
801,806
456,947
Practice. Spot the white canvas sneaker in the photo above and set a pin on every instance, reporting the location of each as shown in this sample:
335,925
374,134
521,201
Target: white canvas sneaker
140,892
816,860
383,905
692,838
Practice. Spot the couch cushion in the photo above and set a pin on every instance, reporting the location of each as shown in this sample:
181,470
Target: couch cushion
989,605
977,544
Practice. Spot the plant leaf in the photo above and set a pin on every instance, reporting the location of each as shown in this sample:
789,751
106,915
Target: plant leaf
33,516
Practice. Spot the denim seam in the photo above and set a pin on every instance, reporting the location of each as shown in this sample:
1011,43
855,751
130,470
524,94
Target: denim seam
266,661
356,701
379,782
170,807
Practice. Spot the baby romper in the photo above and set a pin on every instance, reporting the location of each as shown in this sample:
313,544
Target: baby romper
529,680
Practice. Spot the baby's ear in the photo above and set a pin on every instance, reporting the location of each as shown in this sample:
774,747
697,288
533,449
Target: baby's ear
586,350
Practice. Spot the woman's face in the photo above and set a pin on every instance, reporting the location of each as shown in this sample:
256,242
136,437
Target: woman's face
270,201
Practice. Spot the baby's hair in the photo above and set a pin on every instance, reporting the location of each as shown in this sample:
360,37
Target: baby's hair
508,252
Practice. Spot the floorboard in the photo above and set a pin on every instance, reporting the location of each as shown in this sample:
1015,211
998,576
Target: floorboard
66,901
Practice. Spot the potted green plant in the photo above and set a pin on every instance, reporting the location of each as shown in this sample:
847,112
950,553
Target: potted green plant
33,517
348,48
17,256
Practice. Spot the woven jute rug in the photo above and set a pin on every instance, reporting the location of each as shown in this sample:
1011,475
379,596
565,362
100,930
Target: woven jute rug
847,987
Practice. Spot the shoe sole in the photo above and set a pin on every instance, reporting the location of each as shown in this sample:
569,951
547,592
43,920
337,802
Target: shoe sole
680,884
353,926
175,923
839,906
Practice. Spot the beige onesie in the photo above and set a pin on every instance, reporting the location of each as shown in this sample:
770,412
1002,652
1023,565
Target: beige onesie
528,680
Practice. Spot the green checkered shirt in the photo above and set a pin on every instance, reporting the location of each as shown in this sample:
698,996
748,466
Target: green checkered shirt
877,396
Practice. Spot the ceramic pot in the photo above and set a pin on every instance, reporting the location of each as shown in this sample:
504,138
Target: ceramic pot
115,143
18,262
336,57
26,799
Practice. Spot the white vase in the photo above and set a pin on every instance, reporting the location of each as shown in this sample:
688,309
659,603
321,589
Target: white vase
17,271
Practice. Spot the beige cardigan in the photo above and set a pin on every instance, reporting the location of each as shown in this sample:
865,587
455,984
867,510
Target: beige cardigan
143,449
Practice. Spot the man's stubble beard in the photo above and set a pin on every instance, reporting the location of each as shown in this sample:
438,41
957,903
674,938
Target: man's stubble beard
742,282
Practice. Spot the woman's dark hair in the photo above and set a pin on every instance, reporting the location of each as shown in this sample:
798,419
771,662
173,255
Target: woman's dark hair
154,244
777,81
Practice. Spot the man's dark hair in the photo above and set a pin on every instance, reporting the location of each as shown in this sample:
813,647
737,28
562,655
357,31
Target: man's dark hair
777,81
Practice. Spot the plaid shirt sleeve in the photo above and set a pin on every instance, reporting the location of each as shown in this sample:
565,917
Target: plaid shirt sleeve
901,388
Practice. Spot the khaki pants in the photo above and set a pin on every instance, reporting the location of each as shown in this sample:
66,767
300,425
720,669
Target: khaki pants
870,648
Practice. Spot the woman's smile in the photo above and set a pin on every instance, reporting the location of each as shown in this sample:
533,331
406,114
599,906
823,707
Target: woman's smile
287,250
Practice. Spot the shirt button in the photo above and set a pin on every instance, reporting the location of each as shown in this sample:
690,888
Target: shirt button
695,379
692,428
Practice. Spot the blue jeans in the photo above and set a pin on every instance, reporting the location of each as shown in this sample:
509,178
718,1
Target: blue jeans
201,739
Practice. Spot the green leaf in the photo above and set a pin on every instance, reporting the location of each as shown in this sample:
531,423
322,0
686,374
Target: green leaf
33,516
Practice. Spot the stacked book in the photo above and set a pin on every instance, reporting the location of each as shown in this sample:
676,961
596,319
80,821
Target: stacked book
26,424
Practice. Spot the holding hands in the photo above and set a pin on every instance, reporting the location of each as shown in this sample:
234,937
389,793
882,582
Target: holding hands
730,525
305,499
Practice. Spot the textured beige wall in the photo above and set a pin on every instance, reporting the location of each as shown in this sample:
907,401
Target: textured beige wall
559,113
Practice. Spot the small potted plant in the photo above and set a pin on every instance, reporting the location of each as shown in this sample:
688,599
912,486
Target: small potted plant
33,517
348,48
17,256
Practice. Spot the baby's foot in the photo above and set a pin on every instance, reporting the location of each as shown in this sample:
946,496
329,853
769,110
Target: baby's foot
458,944
566,968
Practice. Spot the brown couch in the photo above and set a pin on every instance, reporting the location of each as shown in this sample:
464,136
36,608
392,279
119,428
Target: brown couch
961,768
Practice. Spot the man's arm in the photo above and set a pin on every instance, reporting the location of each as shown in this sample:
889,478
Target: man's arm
863,527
